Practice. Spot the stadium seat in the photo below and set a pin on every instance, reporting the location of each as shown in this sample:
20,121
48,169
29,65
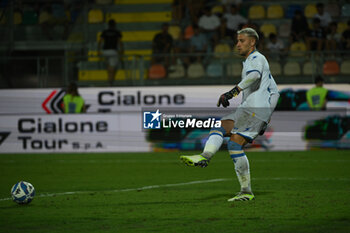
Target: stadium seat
143,1
95,16
135,17
217,10
176,71
309,68
234,69
17,18
310,10
345,10
284,30
275,68
341,27
345,67
267,29
256,12
275,12
93,56
174,31
215,70
156,71
291,10
297,49
195,70
331,68
222,50
332,9
188,32
29,17
291,68
103,2
135,35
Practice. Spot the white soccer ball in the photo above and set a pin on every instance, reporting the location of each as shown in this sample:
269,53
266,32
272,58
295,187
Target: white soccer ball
22,192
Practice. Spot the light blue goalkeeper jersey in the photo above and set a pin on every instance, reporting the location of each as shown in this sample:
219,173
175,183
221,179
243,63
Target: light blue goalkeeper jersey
257,96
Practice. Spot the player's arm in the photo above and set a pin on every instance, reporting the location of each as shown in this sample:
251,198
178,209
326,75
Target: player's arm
251,78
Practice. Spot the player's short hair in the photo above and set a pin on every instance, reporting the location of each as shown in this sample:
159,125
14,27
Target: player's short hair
250,32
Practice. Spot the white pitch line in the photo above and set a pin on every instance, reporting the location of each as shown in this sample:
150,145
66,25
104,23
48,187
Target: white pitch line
130,189
182,184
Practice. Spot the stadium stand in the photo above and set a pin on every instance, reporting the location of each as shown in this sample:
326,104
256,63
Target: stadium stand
140,20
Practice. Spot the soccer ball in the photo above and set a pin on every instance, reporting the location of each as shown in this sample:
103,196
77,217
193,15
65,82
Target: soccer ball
22,192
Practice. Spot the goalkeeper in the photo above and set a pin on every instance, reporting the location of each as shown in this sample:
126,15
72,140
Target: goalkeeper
260,96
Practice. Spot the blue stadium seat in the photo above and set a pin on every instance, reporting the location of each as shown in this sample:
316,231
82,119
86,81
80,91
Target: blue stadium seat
291,10
215,70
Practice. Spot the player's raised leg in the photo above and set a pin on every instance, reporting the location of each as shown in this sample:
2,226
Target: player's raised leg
212,145
235,148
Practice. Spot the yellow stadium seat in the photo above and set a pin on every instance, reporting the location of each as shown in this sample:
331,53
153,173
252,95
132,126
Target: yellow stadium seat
275,12
342,26
95,16
141,52
275,68
310,10
217,10
291,68
345,67
164,16
298,49
267,29
256,12
142,1
93,56
135,35
101,75
174,31
17,18
222,50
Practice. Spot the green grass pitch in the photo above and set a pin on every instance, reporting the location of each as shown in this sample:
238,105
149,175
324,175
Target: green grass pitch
154,192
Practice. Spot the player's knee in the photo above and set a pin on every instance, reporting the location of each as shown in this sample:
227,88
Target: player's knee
218,131
227,125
